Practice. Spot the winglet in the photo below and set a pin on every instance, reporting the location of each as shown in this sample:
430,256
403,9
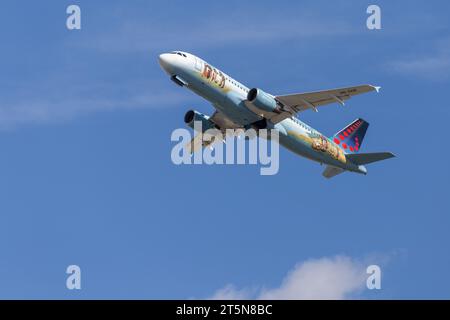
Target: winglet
377,88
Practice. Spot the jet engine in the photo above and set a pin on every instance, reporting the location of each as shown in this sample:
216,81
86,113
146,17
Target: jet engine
194,116
263,101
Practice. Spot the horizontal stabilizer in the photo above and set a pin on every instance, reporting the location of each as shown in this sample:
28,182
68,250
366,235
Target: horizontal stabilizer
365,158
331,171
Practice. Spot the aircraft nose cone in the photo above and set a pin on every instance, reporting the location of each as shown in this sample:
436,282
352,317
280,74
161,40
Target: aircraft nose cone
164,61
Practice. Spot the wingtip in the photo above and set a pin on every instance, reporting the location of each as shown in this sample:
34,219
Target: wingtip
390,155
377,88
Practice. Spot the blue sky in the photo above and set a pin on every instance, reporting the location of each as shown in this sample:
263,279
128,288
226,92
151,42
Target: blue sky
86,175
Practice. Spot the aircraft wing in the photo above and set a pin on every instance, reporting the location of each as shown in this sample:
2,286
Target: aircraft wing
294,103
222,123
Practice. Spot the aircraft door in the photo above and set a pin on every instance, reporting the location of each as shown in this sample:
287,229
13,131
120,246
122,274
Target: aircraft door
198,64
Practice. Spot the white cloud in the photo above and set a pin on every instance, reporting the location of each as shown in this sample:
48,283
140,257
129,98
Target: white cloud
40,106
435,65
338,277
230,292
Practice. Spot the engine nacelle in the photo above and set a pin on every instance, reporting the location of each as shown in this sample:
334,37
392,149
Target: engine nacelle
193,116
262,100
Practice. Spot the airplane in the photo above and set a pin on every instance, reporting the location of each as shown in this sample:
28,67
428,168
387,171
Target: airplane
238,107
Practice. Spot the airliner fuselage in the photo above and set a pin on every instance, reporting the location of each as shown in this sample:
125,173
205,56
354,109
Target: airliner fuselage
231,98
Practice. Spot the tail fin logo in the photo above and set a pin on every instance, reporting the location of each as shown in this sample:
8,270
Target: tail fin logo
351,137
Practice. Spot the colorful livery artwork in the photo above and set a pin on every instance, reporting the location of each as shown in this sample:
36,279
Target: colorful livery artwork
213,75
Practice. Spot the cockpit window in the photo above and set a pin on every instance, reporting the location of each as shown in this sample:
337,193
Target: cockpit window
179,53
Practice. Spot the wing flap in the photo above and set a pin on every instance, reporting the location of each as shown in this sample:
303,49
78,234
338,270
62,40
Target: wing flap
197,143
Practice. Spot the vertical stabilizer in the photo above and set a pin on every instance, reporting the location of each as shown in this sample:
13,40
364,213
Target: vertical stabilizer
351,137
